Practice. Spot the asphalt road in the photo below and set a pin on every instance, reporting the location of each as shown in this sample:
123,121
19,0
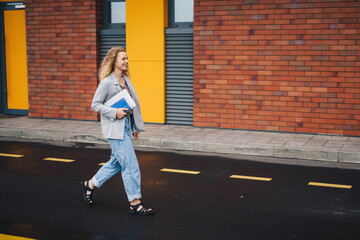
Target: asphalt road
42,199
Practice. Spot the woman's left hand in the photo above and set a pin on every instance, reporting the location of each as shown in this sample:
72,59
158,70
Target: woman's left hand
136,135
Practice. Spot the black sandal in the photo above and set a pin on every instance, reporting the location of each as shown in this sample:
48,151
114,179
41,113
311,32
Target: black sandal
87,197
144,210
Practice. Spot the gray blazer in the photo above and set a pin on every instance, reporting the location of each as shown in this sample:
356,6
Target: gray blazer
110,125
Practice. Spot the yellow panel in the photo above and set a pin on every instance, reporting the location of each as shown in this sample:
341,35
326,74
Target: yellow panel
145,43
145,36
16,61
150,88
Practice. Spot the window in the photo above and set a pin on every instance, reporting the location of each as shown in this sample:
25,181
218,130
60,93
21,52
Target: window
181,13
114,13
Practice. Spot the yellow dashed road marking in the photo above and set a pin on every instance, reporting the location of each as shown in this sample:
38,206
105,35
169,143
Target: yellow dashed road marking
179,171
251,178
11,237
319,184
59,160
10,155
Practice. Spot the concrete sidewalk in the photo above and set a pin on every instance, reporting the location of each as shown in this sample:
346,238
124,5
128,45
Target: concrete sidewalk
169,137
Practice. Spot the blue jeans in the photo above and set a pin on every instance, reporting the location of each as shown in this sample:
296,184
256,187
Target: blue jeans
122,159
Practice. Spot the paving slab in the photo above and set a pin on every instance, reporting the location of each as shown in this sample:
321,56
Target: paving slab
349,157
342,149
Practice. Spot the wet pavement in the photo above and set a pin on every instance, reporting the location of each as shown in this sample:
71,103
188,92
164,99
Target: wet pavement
43,200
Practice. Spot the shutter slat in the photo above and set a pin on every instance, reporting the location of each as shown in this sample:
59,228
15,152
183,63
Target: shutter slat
110,40
179,78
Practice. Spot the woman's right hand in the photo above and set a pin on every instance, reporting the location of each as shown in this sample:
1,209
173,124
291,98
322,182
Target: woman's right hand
121,113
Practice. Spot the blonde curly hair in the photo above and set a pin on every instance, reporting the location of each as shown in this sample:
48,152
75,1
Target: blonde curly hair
107,64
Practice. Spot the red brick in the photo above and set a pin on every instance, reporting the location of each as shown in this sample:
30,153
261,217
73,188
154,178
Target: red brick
51,24
273,59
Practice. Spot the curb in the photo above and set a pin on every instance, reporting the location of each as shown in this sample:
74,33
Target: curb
208,147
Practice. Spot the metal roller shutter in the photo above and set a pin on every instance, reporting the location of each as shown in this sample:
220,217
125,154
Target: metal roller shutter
111,38
179,76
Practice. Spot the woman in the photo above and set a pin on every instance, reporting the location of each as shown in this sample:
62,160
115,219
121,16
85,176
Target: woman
117,125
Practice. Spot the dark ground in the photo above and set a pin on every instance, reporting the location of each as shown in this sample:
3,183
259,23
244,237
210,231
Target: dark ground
43,200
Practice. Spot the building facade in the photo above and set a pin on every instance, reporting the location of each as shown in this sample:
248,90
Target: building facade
289,66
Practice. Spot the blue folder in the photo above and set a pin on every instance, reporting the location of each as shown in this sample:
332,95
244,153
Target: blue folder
121,104
121,100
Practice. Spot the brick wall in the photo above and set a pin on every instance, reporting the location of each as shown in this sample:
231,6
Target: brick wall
62,50
281,65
